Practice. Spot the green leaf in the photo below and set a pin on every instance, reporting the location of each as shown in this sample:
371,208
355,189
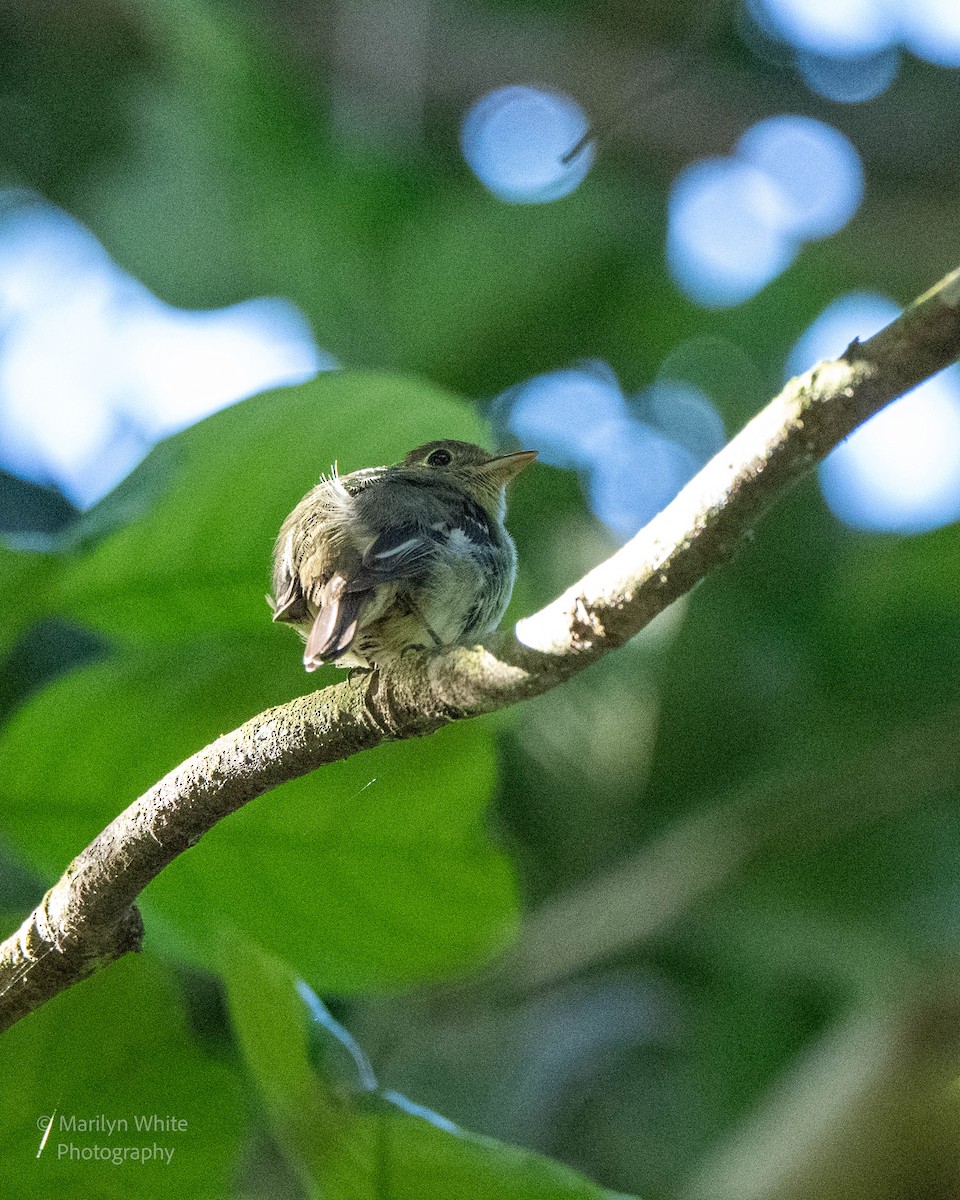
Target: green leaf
417,1160
363,1143
268,1018
26,579
29,511
199,560
369,873
116,1048
132,498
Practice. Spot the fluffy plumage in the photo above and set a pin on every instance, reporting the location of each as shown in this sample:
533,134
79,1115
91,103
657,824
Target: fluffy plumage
388,558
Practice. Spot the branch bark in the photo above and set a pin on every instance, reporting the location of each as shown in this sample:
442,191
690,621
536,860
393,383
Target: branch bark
87,919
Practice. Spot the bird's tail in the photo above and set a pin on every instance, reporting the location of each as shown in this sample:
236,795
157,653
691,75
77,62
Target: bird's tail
335,625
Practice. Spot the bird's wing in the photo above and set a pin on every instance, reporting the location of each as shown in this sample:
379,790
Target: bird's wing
400,553
289,604
288,601
397,554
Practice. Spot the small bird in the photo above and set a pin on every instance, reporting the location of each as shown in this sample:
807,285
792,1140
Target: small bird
387,559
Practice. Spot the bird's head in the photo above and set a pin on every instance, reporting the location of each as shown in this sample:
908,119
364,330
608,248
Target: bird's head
482,475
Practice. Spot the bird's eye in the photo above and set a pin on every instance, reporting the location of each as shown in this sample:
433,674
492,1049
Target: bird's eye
440,458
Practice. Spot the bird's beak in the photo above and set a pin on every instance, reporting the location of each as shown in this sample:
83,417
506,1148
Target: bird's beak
507,466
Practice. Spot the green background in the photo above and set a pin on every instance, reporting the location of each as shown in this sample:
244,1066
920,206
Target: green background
685,927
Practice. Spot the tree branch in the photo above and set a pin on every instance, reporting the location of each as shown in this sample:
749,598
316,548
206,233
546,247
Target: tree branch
87,918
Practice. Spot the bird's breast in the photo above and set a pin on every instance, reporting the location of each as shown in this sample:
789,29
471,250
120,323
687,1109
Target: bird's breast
470,583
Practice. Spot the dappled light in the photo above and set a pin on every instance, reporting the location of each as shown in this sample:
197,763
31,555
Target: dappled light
900,472
634,454
525,144
560,413
849,50
724,240
931,30
95,369
737,223
849,80
815,169
841,28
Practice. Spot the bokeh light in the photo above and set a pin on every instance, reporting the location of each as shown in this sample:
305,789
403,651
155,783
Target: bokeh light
847,50
724,240
517,140
930,29
855,315
899,472
634,454
817,171
849,80
840,28
685,414
734,224
94,369
560,413
636,472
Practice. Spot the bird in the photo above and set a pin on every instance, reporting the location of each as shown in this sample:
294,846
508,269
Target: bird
389,559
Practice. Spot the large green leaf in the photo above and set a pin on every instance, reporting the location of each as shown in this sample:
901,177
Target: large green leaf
26,579
116,1049
350,1140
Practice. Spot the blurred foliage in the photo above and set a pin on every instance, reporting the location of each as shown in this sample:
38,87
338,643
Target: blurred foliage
736,840
119,1047
348,1138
